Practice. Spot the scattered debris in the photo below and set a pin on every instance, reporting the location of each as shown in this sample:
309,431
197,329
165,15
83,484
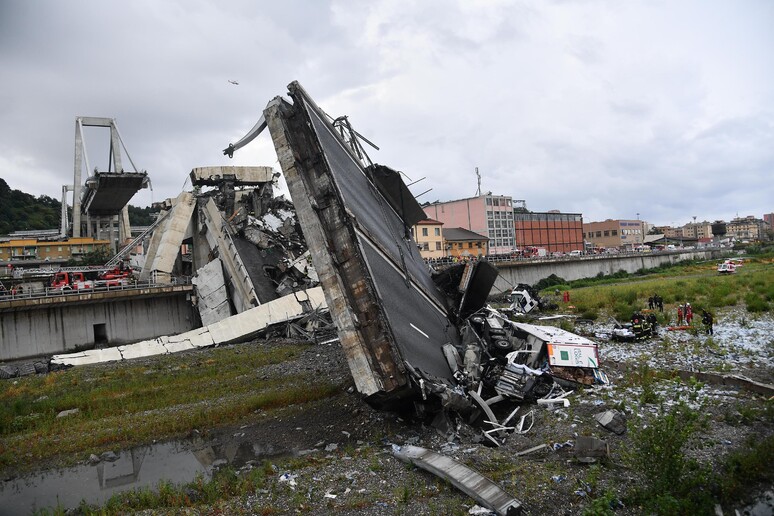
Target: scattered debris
531,450
588,449
69,412
612,420
289,478
470,482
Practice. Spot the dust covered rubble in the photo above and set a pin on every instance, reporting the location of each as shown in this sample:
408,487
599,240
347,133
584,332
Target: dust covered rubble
742,343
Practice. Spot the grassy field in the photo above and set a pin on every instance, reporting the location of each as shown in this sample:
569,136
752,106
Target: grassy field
699,284
131,403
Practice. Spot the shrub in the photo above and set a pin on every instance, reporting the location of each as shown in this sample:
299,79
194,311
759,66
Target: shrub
672,482
550,281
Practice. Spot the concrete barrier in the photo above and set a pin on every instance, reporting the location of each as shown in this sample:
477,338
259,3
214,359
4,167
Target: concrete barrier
532,271
38,327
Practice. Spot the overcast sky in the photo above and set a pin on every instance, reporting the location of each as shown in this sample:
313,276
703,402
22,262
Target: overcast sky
607,108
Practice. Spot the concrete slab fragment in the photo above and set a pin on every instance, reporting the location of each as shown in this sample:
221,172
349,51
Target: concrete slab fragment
212,295
247,323
390,315
178,346
143,349
467,480
167,238
219,238
248,176
92,356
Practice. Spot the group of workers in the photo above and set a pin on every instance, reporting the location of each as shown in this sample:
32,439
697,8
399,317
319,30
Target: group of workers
645,325
656,301
684,314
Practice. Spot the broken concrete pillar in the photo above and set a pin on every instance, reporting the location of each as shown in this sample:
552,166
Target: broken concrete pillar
167,239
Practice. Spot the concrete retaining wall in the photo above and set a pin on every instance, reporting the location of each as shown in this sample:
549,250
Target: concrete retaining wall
30,331
532,271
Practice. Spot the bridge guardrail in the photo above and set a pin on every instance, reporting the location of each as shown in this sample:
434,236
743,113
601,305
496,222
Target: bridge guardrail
48,292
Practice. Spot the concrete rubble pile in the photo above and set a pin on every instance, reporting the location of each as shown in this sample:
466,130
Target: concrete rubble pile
246,247
248,261
413,338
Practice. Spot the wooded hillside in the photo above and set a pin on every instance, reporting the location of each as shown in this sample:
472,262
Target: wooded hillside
21,211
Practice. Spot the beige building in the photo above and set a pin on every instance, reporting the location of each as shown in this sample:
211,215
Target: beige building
697,230
745,228
669,231
614,233
428,235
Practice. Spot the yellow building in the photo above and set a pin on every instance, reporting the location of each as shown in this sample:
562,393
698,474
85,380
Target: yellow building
624,234
429,237
465,244
18,250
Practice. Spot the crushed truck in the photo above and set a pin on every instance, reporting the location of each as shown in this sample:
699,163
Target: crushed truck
524,299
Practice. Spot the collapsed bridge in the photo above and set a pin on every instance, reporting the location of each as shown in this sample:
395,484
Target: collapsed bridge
411,337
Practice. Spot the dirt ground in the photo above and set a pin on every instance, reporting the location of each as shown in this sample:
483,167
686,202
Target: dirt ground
336,456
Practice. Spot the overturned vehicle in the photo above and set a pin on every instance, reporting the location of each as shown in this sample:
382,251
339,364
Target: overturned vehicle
413,338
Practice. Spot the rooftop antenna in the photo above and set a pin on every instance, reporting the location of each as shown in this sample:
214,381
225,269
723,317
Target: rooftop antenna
478,177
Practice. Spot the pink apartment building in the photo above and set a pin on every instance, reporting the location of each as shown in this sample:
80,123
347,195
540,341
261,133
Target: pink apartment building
488,215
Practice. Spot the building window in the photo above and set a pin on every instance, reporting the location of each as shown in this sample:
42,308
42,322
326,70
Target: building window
438,246
424,231
607,233
425,246
615,232
488,201
437,231
497,202
599,234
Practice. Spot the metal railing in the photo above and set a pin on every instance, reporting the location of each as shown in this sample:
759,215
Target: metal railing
48,292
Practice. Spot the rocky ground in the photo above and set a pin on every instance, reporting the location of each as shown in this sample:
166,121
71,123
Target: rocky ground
336,456
342,449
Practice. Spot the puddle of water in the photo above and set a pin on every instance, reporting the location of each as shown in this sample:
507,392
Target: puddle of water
142,467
